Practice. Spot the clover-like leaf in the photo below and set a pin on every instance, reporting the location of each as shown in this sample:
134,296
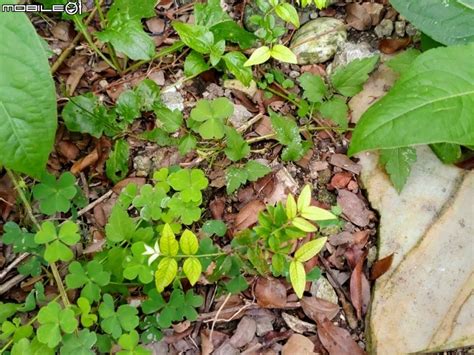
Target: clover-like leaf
57,244
114,322
129,342
149,201
91,279
87,318
21,240
251,171
120,226
186,212
54,320
137,266
55,195
212,115
79,344
189,182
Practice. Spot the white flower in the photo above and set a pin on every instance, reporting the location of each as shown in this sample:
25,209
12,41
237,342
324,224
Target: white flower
153,252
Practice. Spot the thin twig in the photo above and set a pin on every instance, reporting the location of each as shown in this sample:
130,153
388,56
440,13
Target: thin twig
250,122
14,263
10,283
95,203
217,315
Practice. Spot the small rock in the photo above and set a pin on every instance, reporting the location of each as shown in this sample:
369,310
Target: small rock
213,91
400,27
155,25
158,77
244,333
321,288
298,344
264,325
411,30
240,116
141,165
384,28
172,98
318,40
313,15
294,74
226,349
351,51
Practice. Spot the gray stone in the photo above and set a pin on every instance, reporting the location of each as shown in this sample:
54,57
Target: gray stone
351,51
226,349
172,98
240,116
322,288
142,165
384,28
429,229
264,325
400,27
411,30
318,40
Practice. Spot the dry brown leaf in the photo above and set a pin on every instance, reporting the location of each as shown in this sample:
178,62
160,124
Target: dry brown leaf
392,45
354,208
375,10
270,293
337,340
341,180
359,288
7,196
297,325
68,150
139,181
381,266
217,207
358,17
85,162
244,333
248,215
344,162
298,344
314,307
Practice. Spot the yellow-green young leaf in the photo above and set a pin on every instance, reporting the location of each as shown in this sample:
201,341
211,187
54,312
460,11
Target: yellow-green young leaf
314,213
304,199
304,225
297,277
189,243
168,244
310,249
321,4
259,56
192,269
166,272
290,207
288,13
283,54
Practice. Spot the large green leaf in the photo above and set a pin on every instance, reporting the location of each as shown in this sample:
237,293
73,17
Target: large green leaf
447,21
27,97
432,102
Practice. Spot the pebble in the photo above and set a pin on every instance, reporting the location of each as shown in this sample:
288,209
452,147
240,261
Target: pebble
240,116
351,51
384,28
172,98
321,288
141,165
400,28
411,30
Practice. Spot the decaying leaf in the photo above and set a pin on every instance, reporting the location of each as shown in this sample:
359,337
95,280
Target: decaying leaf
359,289
337,340
297,325
380,267
248,215
270,293
315,307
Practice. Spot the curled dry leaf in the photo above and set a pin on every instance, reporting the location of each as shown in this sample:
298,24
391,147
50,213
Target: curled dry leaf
314,307
248,215
381,267
392,45
297,325
344,162
68,150
359,289
88,160
270,293
337,340
340,180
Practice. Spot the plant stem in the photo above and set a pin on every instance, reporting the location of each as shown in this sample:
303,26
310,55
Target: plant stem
165,51
33,219
113,56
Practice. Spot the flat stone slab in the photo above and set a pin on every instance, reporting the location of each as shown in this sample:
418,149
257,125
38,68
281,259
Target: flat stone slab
425,301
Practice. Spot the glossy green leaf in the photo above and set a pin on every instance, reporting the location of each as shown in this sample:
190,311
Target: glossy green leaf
310,249
397,163
27,97
288,13
297,277
168,244
283,54
259,56
166,272
425,96
195,64
348,80
304,199
448,153
290,207
129,105
196,37
188,243
116,166
403,61
304,225
192,269
236,147
234,62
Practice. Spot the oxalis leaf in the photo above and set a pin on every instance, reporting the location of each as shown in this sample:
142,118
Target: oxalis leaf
428,104
27,97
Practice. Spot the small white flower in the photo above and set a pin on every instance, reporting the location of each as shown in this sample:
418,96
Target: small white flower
153,252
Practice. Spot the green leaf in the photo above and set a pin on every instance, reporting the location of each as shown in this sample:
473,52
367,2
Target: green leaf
259,56
210,13
232,32
114,322
149,94
314,213
68,233
336,110
212,113
288,13
304,225
449,22
129,105
187,212
403,61
256,170
215,226
283,54
304,199
196,37
46,234
149,202
21,240
168,244
154,303
124,29
425,96
234,62
53,320
195,64
287,133
348,80
186,144
192,269
116,166
24,347
93,278
80,344
290,207
120,226
188,243
189,182
166,272
137,266
297,277
251,171
27,97
236,147
314,88
55,195
237,285
169,120
448,153
310,249
397,163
